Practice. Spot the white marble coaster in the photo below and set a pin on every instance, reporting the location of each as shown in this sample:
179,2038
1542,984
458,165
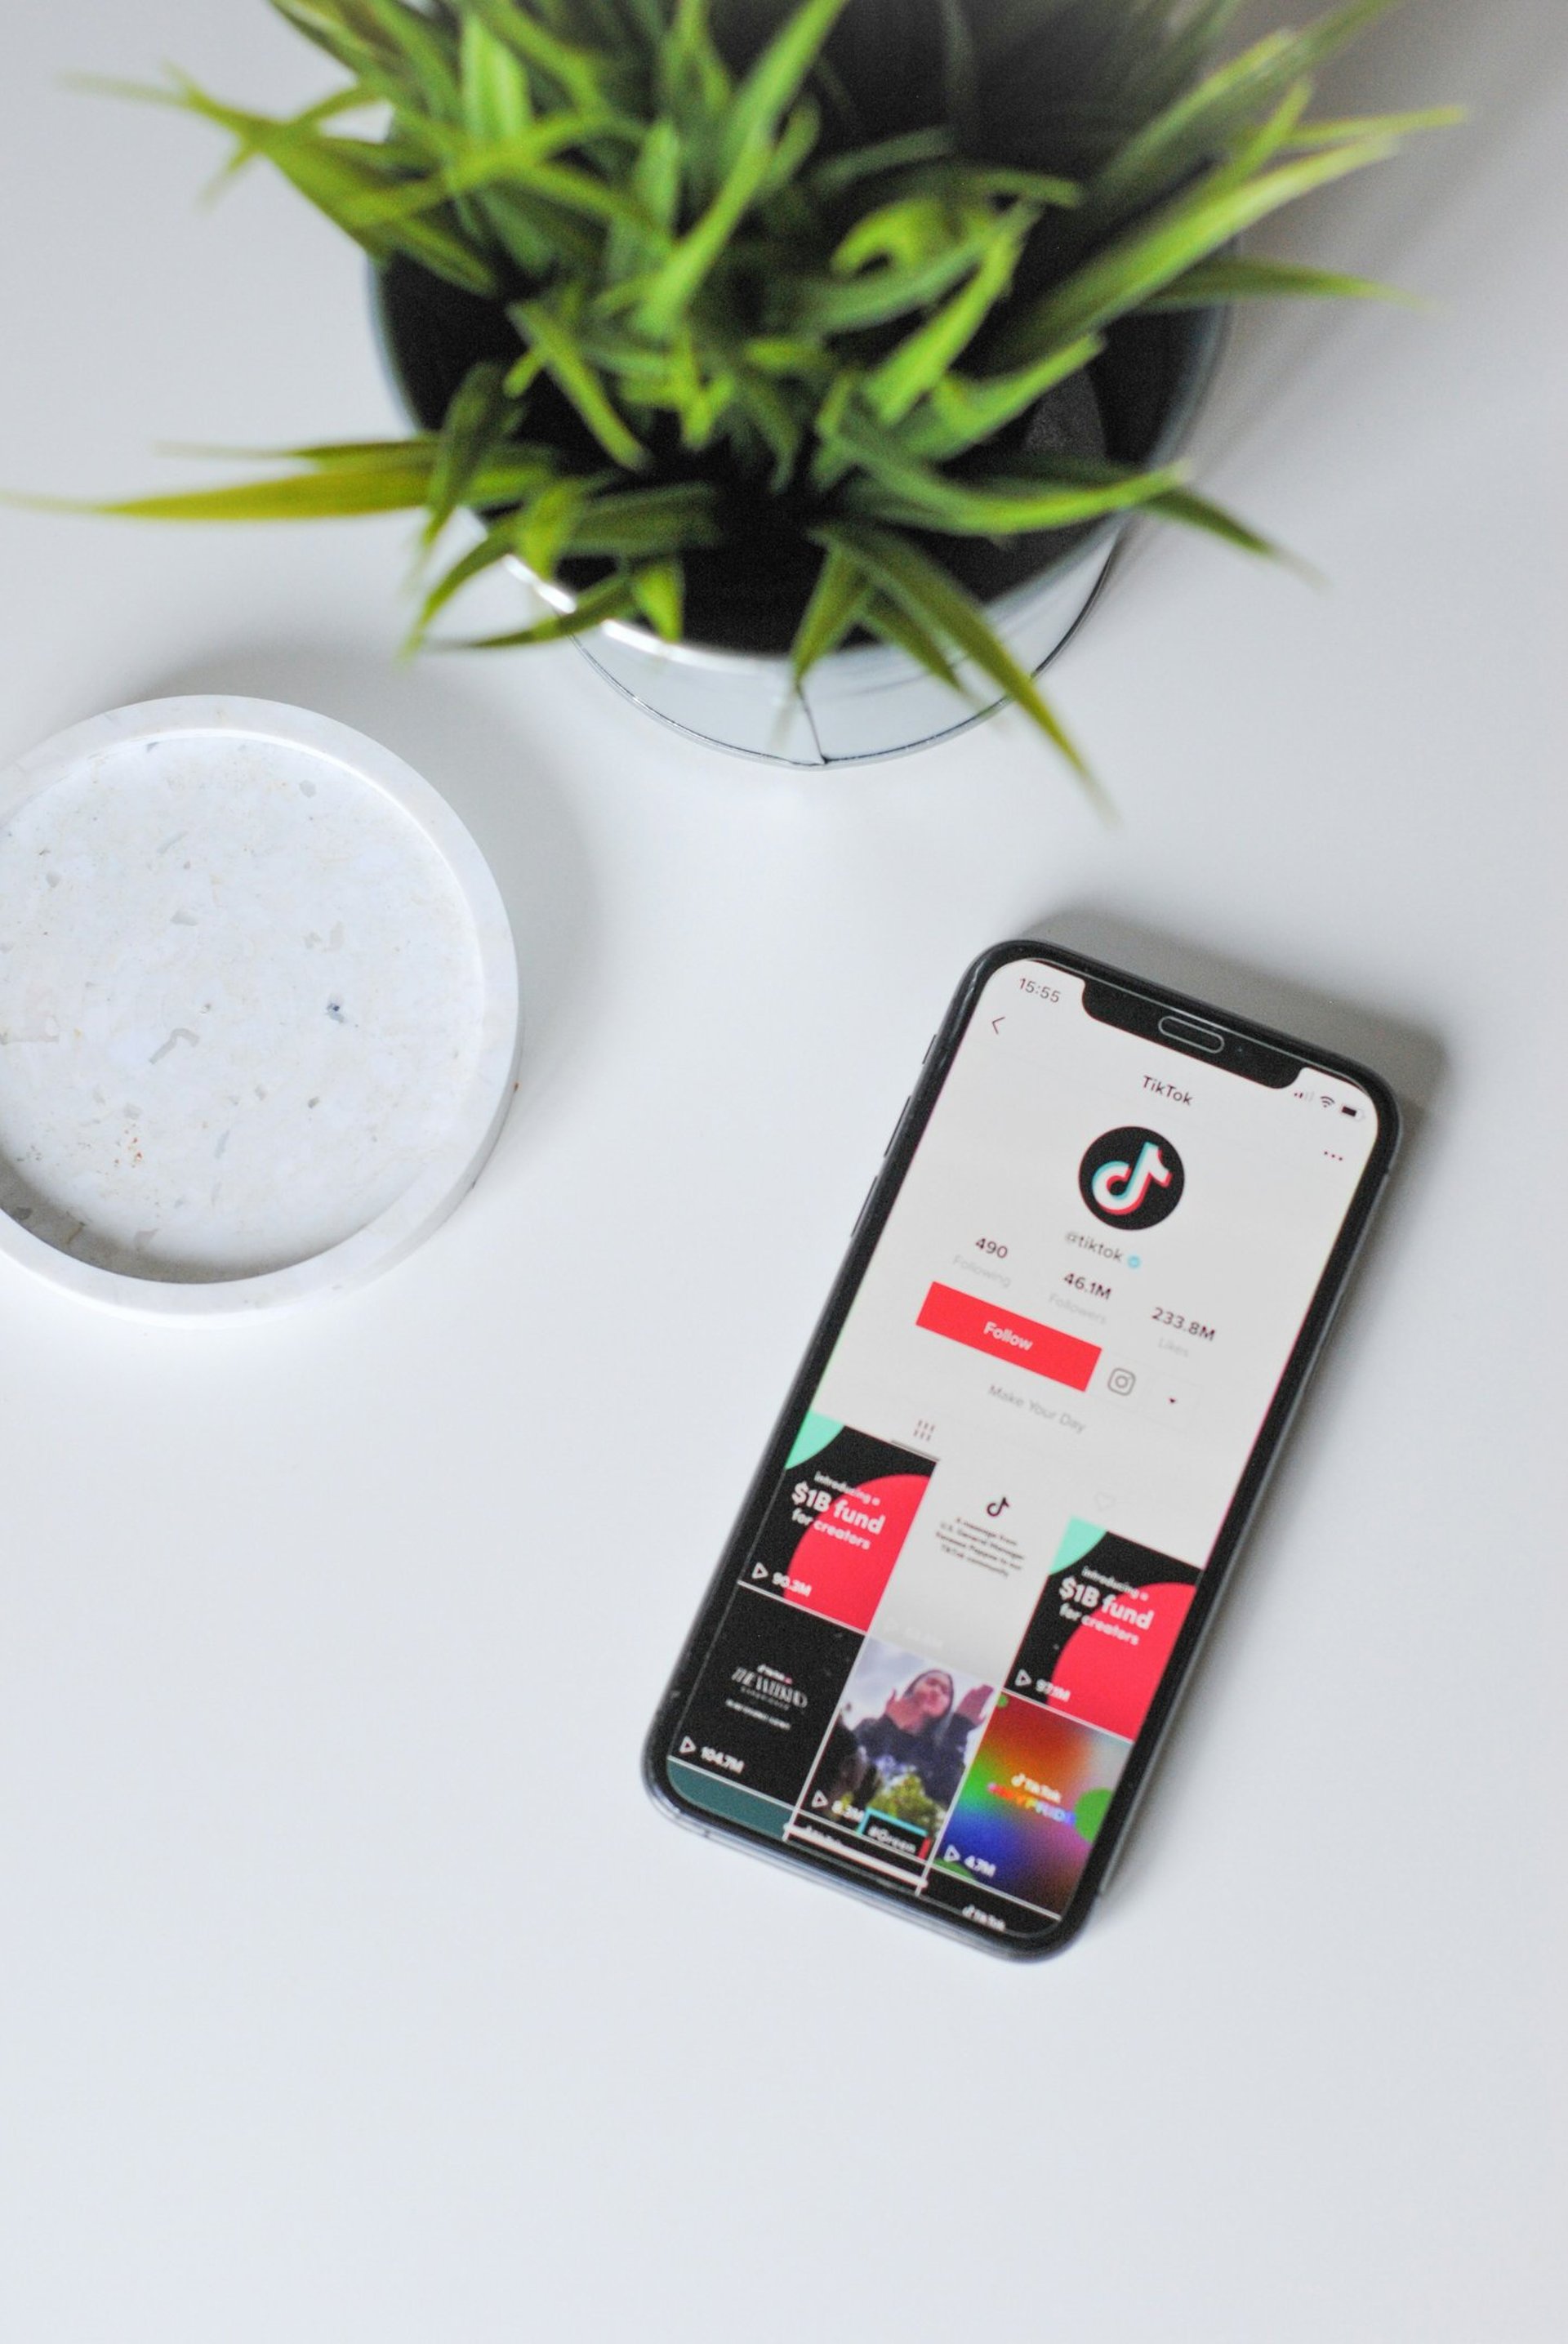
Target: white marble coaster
259,1015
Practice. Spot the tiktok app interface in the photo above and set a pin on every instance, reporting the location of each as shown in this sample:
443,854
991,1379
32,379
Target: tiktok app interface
940,1647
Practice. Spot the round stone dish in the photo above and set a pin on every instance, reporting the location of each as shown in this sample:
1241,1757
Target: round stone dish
258,1012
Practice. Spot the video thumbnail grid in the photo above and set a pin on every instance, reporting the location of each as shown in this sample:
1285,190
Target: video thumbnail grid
807,1724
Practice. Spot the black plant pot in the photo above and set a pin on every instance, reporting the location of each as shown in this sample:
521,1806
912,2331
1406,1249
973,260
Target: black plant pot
730,683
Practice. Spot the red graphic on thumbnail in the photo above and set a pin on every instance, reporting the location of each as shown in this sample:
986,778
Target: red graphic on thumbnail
837,1521
1104,1681
845,1558
1104,1628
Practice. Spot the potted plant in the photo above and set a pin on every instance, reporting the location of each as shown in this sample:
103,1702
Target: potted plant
807,354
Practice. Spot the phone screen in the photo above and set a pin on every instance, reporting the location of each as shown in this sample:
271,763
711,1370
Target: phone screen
944,1631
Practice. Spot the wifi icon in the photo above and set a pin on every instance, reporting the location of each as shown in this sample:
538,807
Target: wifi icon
1323,1100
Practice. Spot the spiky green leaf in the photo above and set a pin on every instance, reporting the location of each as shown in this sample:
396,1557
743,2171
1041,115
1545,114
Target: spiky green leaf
840,595
554,340
543,530
896,487
922,360
962,410
770,89
1144,260
838,173
836,305
749,158
494,546
583,73
340,175
659,589
496,104
325,494
1213,282
475,422
612,598
939,603
900,627
654,521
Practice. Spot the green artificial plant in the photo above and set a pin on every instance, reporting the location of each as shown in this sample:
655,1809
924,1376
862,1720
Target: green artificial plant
783,279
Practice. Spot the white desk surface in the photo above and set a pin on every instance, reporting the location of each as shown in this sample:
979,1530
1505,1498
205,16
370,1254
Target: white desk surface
351,1989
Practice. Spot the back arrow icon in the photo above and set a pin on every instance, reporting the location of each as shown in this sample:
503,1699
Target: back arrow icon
997,1023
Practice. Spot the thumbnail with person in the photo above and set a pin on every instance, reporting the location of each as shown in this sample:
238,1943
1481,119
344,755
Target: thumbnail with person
897,1751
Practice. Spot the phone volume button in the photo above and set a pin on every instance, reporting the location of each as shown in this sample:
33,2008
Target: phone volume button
897,1126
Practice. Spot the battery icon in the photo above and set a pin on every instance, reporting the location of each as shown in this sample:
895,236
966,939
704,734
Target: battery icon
1349,1110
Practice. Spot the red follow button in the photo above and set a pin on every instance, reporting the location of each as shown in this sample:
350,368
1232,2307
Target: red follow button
1043,1351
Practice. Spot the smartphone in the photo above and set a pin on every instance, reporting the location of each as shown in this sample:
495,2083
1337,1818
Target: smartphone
1080,1302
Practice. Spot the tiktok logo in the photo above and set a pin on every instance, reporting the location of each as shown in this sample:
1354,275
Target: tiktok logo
1131,1177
